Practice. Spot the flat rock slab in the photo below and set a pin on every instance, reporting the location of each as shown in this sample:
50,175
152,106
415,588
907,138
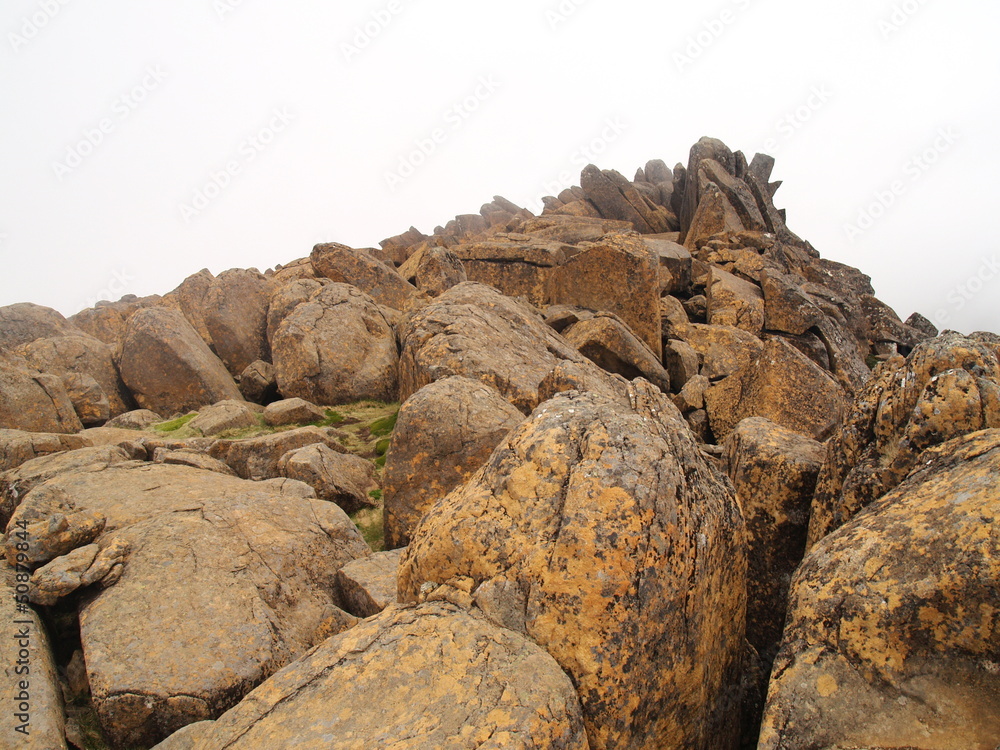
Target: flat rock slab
367,586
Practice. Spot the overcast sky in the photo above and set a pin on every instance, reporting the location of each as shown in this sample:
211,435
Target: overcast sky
141,142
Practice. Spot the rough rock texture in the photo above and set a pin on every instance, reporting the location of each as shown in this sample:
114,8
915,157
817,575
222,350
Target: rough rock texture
450,680
257,458
32,401
24,322
474,331
619,275
947,387
18,447
600,532
358,268
285,298
607,342
336,348
193,458
515,264
893,635
25,643
367,586
292,411
235,315
338,478
444,433
189,300
736,302
258,383
439,270
168,367
138,419
783,385
724,350
46,540
225,415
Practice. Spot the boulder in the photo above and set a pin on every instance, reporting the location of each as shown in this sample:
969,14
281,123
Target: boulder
193,458
340,478
787,308
18,447
598,529
358,268
735,302
444,433
106,322
89,400
474,331
258,458
892,633
168,367
292,411
285,298
57,535
617,199
32,401
189,299
223,416
715,216
235,315
682,363
783,385
25,322
517,265
258,383
438,271
675,264
26,644
138,419
607,342
705,148
723,350
367,586
947,387
442,678
620,275
336,348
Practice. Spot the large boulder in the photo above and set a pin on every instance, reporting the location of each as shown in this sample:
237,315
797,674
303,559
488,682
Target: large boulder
258,458
947,387
607,342
336,348
33,401
474,331
618,199
893,634
286,298
444,433
337,477
430,676
25,322
189,300
359,268
235,315
599,530
516,265
736,302
168,367
18,446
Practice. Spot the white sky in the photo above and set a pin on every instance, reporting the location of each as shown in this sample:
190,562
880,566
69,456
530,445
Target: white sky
845,95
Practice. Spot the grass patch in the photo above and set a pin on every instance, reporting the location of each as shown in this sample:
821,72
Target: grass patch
382,446
384,426
175,424
332,419
380,462
375,495
369,523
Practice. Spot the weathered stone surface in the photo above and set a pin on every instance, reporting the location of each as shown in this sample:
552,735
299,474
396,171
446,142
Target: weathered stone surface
32,401
257,458
167,366
62,576
438,271
225,415
456,682
783,385
675,264
474,331
89,400
715,215
25,322
189,299
947,387
619,275
337,477
617,199
105,322
138,419
235,314
705,148
607,342
367,586
18,446
258,383
517,265
292,411
192,458
893,631
774,472
572,229
358,268
786,307
57,535
336,348
285,298
735,302
599,530
682,363
26,641
444,433
724,350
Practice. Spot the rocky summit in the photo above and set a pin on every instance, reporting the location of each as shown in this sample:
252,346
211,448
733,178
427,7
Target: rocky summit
642,472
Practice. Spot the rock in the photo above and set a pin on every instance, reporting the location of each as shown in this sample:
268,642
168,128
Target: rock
474,331
705,148
285,298
89,400
62,576
337,477
367,586
736,192
919,323
189,299
948,386
358,268
444,433
617,199
292,411
692,396
619,275
27,644
715,216
192,458
57,535
438,271
723,350
18,447
682,362
573,230
783,385
891,638
32,401
258,383
187,737
336,348
167,366
516,265
735,302
578,532
607,342
786,307
774,472
258,458
138,419
223,416
455,680
25,322
675,264
105,323
235,314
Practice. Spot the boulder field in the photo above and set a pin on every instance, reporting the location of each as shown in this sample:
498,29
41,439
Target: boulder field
643,472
